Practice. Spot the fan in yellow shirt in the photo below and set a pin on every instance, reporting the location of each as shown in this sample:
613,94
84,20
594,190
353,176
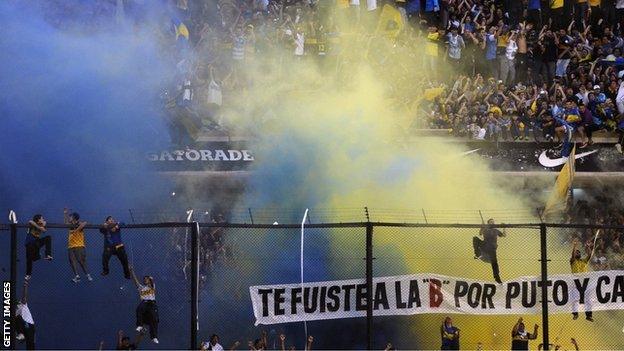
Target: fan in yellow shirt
76,245
433,42
579,265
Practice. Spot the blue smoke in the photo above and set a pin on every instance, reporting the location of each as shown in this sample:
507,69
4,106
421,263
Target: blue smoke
78,111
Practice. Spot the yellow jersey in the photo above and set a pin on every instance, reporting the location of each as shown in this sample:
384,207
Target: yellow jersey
431,48
75,238
555,4
594,3
579,265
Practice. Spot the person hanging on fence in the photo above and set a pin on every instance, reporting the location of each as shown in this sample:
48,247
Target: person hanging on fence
147,310
485,249
76,245
520,337
25,325
113,246
578,264
450,335
34,242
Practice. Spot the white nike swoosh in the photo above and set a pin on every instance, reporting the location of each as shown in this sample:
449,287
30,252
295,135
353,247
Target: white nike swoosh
554,162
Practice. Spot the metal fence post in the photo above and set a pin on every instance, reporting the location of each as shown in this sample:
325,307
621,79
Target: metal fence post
369,286
544,261
250,215
194,284
13,277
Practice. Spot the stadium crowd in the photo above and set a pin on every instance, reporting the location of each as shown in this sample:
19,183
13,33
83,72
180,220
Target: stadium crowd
608,252
528,67
495,69
490,69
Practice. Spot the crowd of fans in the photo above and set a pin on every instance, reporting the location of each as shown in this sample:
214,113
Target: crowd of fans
604,210
264,342
490,69
527,67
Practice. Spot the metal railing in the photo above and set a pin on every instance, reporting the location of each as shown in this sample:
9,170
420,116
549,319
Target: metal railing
204,278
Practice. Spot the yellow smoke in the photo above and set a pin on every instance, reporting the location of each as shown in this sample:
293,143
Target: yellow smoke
355,108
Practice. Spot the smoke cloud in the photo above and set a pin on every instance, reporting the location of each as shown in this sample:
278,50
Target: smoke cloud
79,110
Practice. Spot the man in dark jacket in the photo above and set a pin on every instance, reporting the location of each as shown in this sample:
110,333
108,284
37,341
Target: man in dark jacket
485,249
113,246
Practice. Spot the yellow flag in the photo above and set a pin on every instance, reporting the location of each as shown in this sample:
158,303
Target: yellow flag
181,31
390,22
432,93
557,201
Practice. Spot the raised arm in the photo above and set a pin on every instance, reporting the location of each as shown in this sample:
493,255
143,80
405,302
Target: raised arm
541,33
514,96
34,224
591,254
309,343
464,18
265,338
81,225
134,277
514,331
576,346
65,215
282,338
120,335
534,335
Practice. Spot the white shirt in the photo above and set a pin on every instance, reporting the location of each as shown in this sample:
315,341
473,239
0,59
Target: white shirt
299,44
456,43
481,135
188,93
371,5
511,50
215,95
619,4
24,311
216,347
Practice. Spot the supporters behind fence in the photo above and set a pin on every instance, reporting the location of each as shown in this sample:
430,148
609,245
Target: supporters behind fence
35,241
76,248
113,245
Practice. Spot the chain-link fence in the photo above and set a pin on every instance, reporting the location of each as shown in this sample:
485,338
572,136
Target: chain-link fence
232,261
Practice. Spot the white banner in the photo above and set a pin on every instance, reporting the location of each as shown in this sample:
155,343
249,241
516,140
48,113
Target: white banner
433,293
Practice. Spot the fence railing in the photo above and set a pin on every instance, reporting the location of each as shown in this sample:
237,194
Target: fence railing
268,215
206,275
